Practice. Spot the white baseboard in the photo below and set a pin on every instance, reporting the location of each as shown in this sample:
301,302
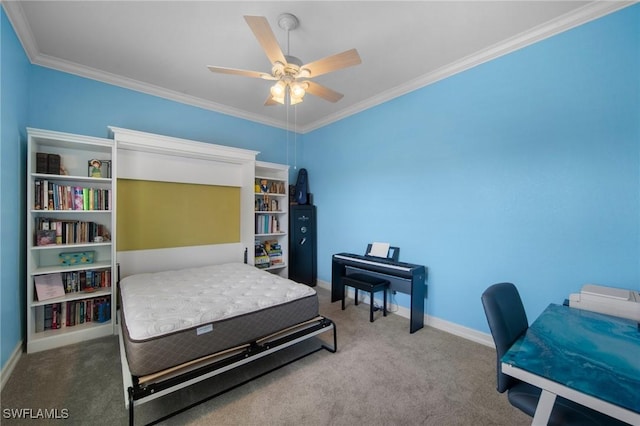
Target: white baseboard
11,363
447,326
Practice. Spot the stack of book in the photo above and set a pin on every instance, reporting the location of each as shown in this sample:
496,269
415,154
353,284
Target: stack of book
274,251
262,260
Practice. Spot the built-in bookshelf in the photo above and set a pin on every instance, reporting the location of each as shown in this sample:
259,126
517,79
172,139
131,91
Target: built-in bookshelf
271,188
70,239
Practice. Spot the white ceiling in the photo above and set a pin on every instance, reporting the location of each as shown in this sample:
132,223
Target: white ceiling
164,47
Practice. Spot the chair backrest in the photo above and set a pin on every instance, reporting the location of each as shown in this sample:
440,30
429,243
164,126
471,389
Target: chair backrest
507,320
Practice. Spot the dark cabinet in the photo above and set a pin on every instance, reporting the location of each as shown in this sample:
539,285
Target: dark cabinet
303,244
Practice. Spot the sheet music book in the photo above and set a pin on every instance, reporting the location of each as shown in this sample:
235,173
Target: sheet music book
49,286
379,249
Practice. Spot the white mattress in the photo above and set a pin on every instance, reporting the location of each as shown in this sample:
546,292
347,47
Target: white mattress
161,303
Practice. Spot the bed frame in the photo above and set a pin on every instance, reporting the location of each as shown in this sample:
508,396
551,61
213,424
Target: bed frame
146,156
141,389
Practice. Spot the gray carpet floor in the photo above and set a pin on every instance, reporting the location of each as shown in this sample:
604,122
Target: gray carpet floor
381,375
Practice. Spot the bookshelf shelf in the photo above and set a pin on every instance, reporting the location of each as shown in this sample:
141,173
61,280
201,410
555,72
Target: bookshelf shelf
67,336
79,179
74,296
61,268
44,212
71,246
271,197
62,161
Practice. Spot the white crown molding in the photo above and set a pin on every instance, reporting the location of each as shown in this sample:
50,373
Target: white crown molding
23,30
587,13
150,89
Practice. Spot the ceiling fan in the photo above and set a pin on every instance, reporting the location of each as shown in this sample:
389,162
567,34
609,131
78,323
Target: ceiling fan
289,73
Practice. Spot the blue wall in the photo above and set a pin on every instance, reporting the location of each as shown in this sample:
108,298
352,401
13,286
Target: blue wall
14,69
523,169
526,168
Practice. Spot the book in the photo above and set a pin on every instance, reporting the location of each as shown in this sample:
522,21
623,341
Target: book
41,162
45,195
88,311
49,286
48,315
53,164
63,315
39,318
54,316
85,198
37,195
78,201
58,231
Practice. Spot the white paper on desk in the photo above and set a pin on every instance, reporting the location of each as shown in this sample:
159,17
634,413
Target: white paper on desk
379,249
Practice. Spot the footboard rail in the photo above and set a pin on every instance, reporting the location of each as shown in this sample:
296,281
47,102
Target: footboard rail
139,390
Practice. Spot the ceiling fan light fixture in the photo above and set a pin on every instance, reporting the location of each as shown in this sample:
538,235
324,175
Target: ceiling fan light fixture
303,73
278,89
294,100
298,90
287,70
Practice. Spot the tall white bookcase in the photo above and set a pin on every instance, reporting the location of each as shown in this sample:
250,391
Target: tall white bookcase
44,260
272,211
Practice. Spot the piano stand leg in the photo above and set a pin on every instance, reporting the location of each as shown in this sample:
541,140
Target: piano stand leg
384,306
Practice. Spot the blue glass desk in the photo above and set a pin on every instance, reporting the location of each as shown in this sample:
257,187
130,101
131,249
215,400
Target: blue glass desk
590,358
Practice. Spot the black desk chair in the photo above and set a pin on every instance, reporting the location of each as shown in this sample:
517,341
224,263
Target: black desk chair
508,321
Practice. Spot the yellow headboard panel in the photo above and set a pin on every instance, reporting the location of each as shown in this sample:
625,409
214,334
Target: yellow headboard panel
154,214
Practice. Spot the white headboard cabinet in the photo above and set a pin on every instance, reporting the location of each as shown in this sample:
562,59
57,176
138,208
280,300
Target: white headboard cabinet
151,157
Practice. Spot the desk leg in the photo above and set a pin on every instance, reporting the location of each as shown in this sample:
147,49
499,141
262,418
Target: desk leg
543,410
416,320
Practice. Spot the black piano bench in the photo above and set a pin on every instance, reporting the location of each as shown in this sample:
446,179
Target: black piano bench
369,284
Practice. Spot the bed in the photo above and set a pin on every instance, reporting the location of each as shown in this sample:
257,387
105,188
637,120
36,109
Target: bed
179,327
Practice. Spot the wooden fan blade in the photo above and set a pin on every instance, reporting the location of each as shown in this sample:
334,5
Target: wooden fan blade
333,63
261,29
270,101
245,73
323,92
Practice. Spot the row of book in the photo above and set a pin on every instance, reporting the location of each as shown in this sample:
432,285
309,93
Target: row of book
267,224
49,231
75,312
267,205
53,196
49,286
76,281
